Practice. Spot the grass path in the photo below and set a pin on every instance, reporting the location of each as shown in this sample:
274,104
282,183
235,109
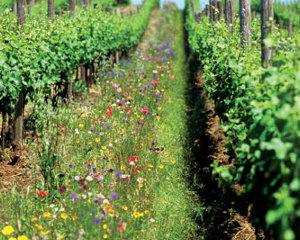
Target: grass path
174,205
114,168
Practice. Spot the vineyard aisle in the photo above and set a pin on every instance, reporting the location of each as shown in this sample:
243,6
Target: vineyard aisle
114,166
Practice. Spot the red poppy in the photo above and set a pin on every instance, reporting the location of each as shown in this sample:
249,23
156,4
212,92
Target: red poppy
42,193
155,81
133,159
129,110
108,112
144,110
137,169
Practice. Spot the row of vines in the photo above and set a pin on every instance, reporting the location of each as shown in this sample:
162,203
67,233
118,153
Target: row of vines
35,7
259,109
43,54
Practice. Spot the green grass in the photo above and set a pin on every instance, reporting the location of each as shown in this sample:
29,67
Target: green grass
172,201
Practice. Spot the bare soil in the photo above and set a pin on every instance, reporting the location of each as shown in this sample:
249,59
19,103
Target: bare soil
226,211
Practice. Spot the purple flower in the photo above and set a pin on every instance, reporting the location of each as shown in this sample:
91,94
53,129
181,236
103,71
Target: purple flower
100,120
118,174
74,196
104,213
62,189
71,165
114,195
106,126
88,166
97,220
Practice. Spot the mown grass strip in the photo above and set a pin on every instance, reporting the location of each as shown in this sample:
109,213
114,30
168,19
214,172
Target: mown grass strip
172,201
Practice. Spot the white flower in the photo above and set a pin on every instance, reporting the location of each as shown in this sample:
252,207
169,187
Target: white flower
62,209
100,195
76,131
105,201
140,180
89,178
124,176
77,178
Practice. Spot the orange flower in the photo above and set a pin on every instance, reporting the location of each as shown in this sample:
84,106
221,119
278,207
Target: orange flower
42,193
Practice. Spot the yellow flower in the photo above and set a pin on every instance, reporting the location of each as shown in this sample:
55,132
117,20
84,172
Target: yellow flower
44,233
47,215
64,216
105,226
137,214
74,217
84,115
173,161
8,230
97,140
105,236
39,226
125,207
12,238
158,118
140,185
23,237
161,166
123,167
34,219
81,125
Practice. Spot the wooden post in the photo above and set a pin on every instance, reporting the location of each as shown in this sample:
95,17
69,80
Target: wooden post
229,12
51,9
86,2
290,28
21,12
19,119
281,24
267,16
211,10
20,104
72,7
30,6
117,54
245,15
3,129
206,10
215,9
220,10
15,8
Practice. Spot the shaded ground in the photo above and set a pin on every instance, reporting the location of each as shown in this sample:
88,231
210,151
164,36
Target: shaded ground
224,211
